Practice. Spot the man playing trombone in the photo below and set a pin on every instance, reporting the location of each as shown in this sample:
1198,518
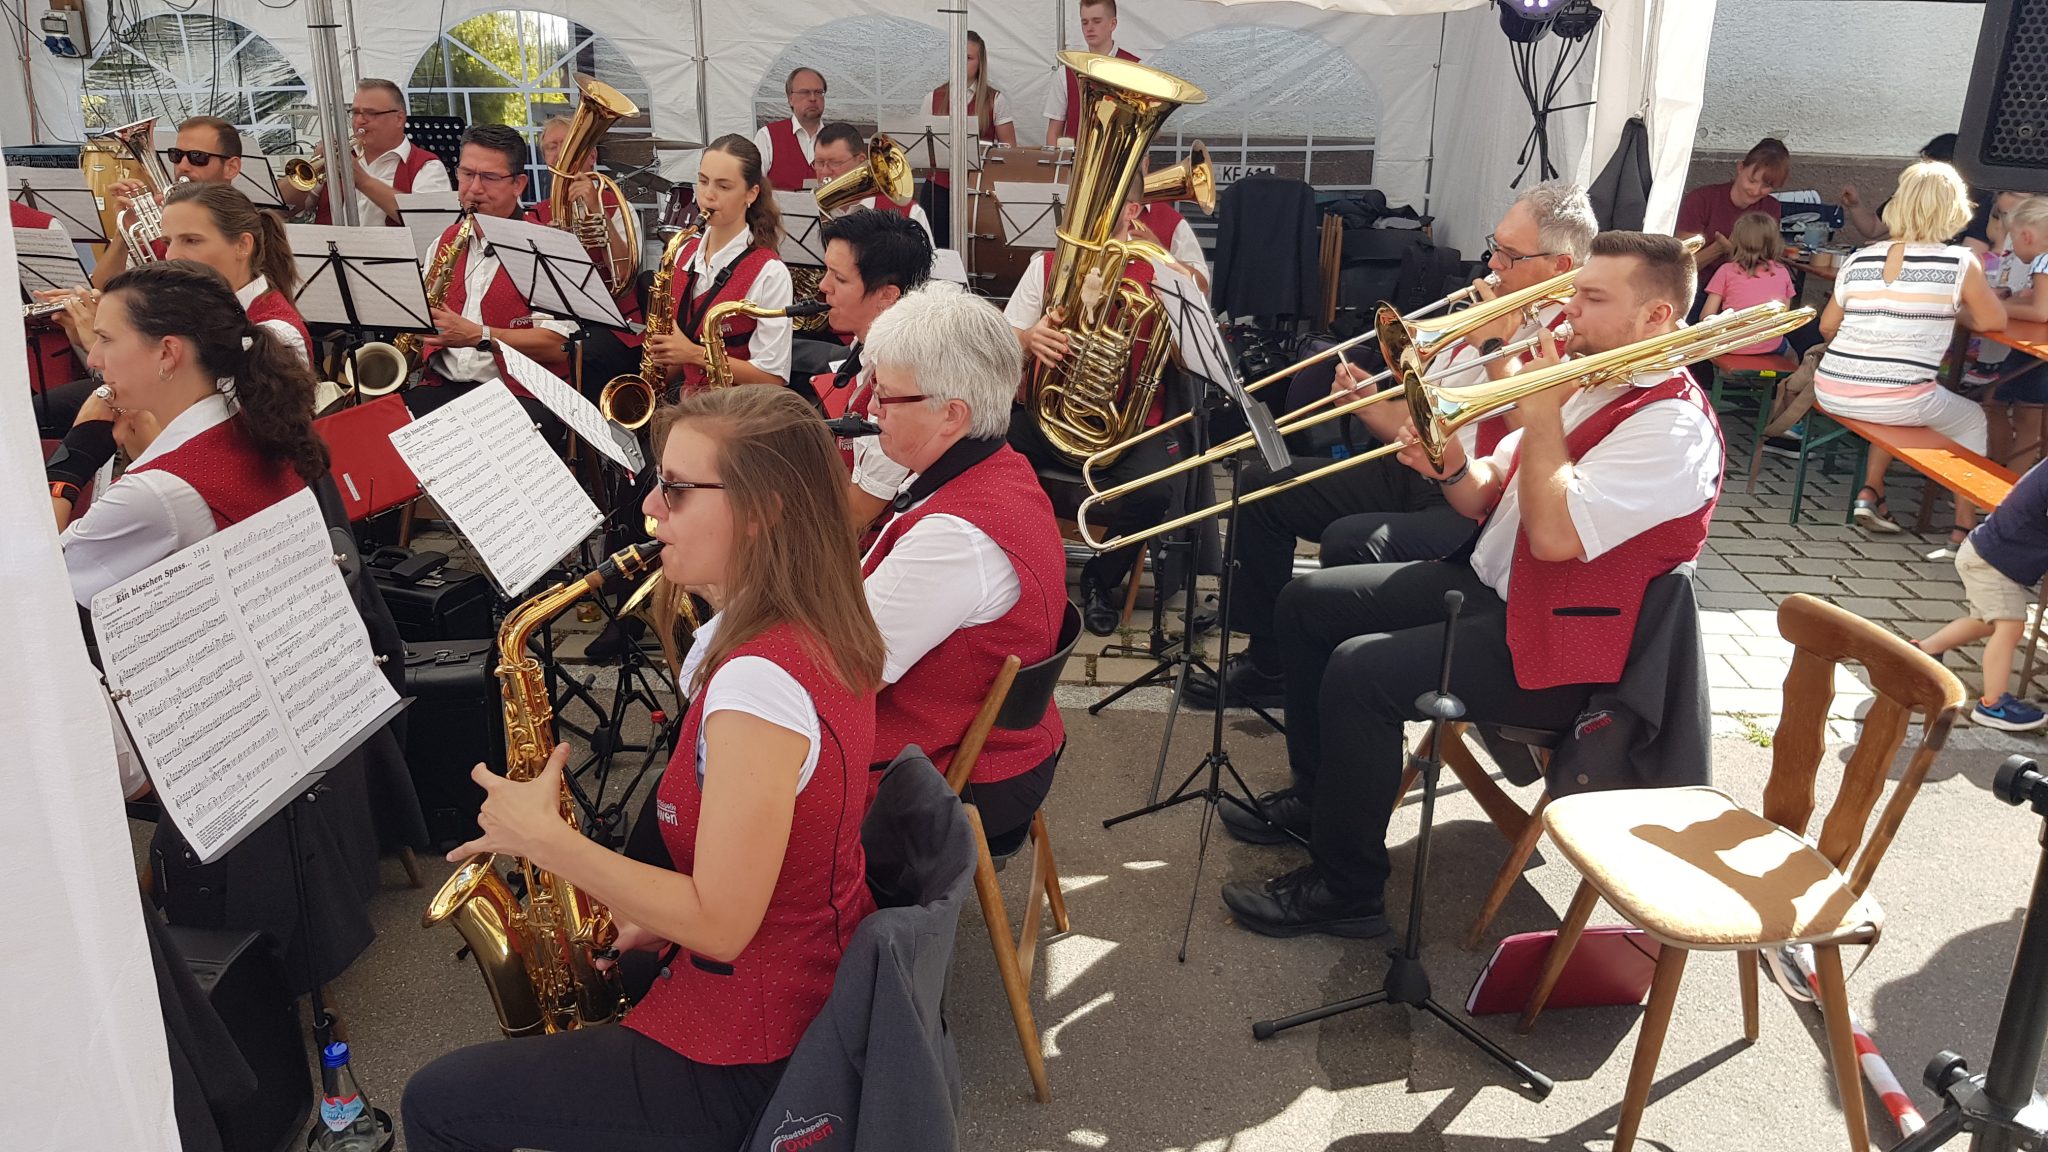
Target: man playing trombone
1598,492
1382,511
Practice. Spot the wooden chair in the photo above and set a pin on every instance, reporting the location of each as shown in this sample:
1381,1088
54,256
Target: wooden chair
1696,871
1522,828
1018,699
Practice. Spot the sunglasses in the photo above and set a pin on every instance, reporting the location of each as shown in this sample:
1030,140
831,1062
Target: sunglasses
672,490
199,158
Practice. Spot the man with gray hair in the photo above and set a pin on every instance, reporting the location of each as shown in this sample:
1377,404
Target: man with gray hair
968,568
1382,512
387,163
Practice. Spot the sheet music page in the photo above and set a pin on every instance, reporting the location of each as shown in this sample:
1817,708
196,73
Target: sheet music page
204,650
947,265
62,192
47,259
1030,212
383,276
583,418
506,490
258,181
568,285
426,215
801,243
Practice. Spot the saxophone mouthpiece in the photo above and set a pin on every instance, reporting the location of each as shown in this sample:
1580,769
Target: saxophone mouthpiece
627,561
807,308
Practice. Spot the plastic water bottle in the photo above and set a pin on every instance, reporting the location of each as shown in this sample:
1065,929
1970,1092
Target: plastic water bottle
347,1123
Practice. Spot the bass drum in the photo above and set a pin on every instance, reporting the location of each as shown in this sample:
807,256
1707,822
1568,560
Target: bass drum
997,264
678,210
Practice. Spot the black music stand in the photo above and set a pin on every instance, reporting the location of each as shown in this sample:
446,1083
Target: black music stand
53,267
441,135
359,279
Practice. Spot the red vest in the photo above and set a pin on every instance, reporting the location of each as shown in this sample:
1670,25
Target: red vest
1140,271
789,168
1492,430
228,472
884,204
753,1010
690,313
1572,621
935,701
273,305
503,308
50,360
409,168
942,104
1162,220
1072,130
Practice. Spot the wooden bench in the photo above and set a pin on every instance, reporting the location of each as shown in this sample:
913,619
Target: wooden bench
1978,479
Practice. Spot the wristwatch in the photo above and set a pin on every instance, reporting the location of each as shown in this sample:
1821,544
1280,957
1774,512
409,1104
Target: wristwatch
485,343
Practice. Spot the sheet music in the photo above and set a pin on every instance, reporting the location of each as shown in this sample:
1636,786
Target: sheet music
382,270
241,668
801,244
928,141
426,215
258,181
582,417
506,490
47,259
62,192
1198,343
551,271
947,265
1031,212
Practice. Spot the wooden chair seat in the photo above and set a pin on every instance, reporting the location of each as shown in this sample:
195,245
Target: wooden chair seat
1696,870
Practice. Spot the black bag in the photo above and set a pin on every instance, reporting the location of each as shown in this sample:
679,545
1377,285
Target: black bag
1428,272
240,980
456,721
429,599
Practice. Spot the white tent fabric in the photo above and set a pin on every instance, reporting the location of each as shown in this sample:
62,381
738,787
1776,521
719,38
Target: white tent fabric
1429,77
83,1067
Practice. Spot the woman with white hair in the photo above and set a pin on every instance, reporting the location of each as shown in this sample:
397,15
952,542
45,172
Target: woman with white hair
968,568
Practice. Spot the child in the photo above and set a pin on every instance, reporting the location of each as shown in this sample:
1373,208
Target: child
2027,225
2024,274
1751,276
2000,562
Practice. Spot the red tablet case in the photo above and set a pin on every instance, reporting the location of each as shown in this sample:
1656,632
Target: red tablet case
1613,964
371,474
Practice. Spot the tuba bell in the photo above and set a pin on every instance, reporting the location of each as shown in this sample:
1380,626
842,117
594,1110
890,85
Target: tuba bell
601,107
1194,178
886,173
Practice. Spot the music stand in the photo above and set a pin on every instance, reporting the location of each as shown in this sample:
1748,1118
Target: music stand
427,216
934,134
63,193
45,260
359,278
801,222
258,181
1030,212
441,135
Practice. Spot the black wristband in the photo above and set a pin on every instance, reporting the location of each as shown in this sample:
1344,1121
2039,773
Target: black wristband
86,449
1463,471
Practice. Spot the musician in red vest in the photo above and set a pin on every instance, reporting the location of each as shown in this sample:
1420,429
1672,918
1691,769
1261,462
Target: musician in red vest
1596,494
987,108
208,151
760,812
787,145
483,308
734,258
1062,111
388,165
841,149
606,353
1382,511
50,360
1162,224
968,568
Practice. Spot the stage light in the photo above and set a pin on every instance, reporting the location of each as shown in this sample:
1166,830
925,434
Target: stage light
1527,21
1576,19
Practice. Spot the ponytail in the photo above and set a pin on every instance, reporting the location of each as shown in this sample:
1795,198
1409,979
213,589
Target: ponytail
272,259
233,214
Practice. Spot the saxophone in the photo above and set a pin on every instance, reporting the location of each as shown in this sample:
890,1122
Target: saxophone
628,399
717,362
440,277
536,959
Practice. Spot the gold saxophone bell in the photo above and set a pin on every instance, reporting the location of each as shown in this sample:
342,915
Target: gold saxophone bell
376,369
627,401
1192,179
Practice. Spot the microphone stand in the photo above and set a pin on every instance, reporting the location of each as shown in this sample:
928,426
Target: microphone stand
1407,981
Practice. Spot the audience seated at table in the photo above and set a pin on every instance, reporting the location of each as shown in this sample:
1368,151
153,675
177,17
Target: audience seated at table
1974,234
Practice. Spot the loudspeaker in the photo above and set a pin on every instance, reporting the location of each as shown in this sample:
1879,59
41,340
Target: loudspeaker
240,977
2003,141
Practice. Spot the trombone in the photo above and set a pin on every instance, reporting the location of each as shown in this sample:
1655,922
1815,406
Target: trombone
1440,412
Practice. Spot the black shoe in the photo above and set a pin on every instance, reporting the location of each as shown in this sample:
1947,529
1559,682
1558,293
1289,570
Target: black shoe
1286,811
1300,903
612,643
1243,684
1098,611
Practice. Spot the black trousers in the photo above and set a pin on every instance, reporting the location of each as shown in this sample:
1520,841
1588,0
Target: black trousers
1137,510
1360,645
1374,513
1007,806
604,1089
431,398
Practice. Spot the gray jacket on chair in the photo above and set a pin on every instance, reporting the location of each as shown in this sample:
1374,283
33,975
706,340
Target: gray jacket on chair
877,1069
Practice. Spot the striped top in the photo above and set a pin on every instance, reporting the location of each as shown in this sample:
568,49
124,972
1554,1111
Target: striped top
1893,335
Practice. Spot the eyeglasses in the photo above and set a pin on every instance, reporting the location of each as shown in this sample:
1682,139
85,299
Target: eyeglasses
672,490
807,93
1493,248
370,112
200,158
910,398
489,179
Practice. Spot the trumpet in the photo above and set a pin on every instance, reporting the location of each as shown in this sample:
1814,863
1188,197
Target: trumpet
1439,412
307,175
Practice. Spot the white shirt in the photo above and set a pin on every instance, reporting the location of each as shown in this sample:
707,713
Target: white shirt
808,141
757,686
1661,463
430,178
1187,249
768,347
1056,100
144,516
1027,299
478,270
1470,374
943,575
248,293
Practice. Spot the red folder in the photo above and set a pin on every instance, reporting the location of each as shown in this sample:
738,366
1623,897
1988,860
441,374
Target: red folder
1613,964
371,474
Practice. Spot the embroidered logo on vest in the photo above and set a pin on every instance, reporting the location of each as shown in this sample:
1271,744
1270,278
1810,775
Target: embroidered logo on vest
793,1135
665,811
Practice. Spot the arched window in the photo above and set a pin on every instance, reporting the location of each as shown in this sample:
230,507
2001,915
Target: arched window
518,67
869,81
1316,115
177,66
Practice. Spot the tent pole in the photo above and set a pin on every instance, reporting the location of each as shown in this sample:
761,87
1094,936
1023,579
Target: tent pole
956,209
334,120
703,81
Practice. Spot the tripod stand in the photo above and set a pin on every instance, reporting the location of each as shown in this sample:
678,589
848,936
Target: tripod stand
637,683
1407,980
2000,1106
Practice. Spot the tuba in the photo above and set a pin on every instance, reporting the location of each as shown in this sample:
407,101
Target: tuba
601,107
1081,405
1192,179
536,957
440,277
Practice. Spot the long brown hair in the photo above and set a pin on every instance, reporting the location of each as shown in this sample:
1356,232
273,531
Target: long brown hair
764,216
792,561
982,96
1754,242
273,387
235,215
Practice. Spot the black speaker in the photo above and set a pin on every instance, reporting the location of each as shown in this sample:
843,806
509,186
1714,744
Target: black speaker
240,977
2003,142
